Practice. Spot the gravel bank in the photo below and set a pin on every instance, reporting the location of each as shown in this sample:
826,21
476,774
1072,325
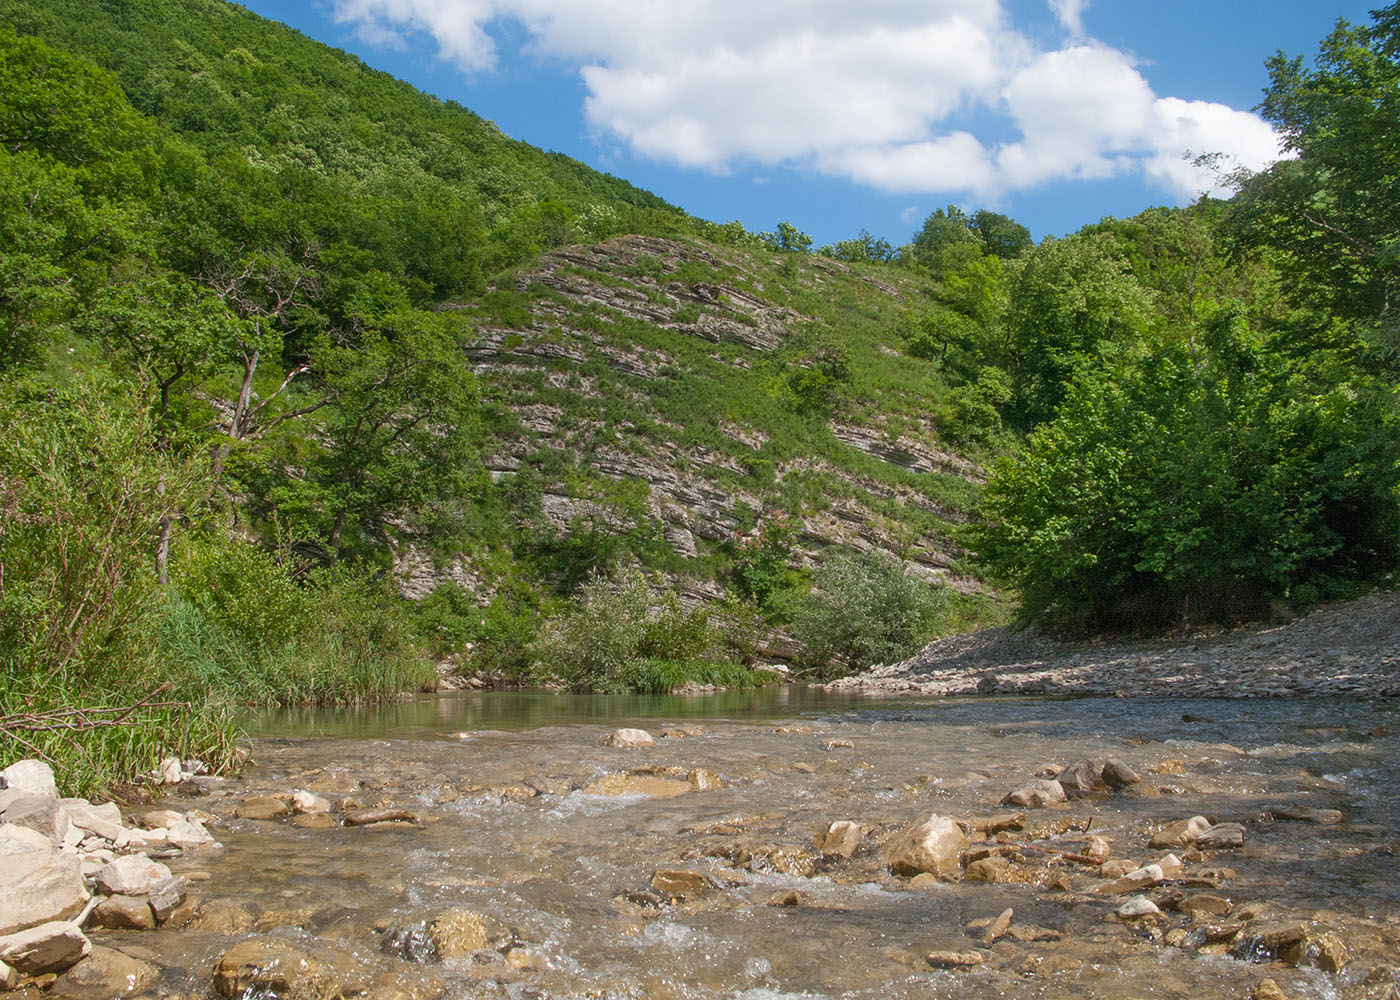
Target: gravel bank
1350,648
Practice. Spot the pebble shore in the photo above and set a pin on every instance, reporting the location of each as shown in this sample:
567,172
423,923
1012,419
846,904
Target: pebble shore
1350,648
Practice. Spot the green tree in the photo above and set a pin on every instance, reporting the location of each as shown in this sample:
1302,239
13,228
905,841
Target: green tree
1073,295
1176,484
1001,235
1333,209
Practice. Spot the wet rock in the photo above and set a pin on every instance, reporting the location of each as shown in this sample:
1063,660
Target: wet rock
994,869
262,807
9,977
131,875
997,823
930,844
517,792
37,886
956,959
1182,833
309,802
1271,941
704,779
32,777
107,973
1305,814
50,947
1326,951
364,817
1136,908
1222,836
166,896
1117,774
315,821
829,745
124,913
289,970
1206,904
841,838
188,835
1117,868
334,781
628,738
1082,778
679,883
458,932
1097,847
998,926
224,916
1267,990
1037,794
645,785
1142,878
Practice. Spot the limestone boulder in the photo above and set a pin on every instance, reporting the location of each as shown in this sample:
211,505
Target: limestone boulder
1182,833
841,838
124,913
39,885
1117,774
1084,777
40,813
931,843
274,966
1222,836
130,875
33,777
50,947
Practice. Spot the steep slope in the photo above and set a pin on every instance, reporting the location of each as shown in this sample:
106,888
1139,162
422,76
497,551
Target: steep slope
670,363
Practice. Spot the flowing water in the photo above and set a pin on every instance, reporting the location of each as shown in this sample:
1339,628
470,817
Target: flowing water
517,828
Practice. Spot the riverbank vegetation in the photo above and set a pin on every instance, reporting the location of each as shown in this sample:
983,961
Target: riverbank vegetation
283,340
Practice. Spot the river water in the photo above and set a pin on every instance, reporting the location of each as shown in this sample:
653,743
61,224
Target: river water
521,824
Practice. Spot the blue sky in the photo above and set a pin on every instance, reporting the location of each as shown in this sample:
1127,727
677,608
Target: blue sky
1056,112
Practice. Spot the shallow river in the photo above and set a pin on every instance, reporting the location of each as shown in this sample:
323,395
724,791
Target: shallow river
518,826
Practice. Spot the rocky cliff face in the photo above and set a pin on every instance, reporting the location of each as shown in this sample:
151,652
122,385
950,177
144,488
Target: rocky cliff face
658,361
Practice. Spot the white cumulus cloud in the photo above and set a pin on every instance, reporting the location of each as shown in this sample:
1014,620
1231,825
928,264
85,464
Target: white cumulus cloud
890,94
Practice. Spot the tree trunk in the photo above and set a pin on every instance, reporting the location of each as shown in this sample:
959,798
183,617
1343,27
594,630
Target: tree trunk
236,425
163,543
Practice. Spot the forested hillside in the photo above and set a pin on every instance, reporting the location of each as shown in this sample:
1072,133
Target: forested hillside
310,381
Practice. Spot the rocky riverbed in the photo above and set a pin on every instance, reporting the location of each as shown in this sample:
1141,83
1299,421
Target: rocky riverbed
1349,649
969,848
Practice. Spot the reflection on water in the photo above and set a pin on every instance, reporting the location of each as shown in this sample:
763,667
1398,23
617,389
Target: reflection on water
460,710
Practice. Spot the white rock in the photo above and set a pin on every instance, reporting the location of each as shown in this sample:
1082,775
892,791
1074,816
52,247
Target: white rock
309,802
104,821
170,771
1138,906
188,834
162,819
132,875
50,947
39,886
629,738
842,837
22,840
1036,795
33,777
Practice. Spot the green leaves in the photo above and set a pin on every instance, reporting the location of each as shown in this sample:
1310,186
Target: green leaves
1176,483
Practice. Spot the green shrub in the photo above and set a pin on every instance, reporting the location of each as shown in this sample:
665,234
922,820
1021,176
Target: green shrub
613,626
864,610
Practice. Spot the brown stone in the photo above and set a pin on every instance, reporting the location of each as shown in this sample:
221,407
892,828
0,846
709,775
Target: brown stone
262,807
1267,990
931,843
365,817
1206,904
314,821
956,959
107,973
704,779
644,785
50,947
841,838
124,913
680,882
272,966
458,932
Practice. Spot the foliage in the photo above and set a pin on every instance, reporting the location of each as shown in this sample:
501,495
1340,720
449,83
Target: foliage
864,249
971,413
1331,209
864,610
615,626
761,570
1183,482
83,490
1074,295
787,238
